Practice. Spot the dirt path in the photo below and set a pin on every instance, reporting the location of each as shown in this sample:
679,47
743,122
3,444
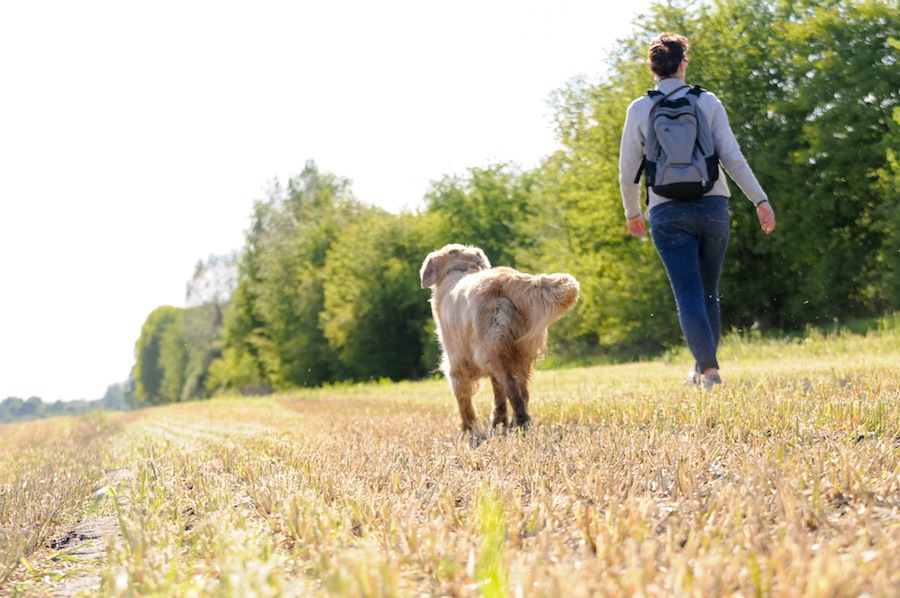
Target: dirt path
78,553
87,543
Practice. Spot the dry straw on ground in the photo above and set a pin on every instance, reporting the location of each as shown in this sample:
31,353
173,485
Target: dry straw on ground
784,482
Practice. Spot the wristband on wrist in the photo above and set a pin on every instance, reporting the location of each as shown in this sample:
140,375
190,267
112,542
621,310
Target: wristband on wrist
762,202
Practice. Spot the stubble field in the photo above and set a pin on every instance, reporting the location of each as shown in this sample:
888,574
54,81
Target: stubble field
783,482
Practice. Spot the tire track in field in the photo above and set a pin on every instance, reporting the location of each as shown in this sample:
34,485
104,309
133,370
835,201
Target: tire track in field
82,549
208,430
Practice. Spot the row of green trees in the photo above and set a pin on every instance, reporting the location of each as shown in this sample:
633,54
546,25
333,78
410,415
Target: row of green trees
326,287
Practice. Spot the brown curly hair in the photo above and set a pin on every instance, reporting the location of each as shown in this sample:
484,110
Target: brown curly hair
666,52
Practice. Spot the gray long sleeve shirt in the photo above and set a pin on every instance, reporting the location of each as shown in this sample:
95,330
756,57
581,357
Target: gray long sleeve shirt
631,151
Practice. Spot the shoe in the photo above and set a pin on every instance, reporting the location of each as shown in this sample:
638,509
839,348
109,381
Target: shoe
693,377
710,381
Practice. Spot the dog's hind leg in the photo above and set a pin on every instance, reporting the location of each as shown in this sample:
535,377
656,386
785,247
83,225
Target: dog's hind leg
518,397
500,416
463,389
512,386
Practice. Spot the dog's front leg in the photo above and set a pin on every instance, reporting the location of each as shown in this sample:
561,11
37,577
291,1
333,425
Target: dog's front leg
500,416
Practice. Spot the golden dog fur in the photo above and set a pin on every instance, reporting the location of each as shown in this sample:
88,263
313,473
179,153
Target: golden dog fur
492,322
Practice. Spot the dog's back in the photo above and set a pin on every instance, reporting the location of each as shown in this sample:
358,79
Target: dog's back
501,312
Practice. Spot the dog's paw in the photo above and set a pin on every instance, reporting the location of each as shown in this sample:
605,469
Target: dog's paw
476,439
523,423
500,423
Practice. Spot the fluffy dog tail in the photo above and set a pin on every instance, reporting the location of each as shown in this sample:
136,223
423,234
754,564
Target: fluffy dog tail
545,298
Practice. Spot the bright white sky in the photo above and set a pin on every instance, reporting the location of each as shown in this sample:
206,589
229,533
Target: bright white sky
134,137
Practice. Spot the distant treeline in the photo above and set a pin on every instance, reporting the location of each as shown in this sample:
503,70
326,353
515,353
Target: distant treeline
326,287
117,398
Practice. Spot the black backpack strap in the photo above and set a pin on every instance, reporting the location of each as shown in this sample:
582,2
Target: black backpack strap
653,94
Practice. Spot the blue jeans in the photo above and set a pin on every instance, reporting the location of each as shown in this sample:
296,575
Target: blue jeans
691,238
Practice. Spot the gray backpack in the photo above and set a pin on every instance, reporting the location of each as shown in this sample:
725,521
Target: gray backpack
680,160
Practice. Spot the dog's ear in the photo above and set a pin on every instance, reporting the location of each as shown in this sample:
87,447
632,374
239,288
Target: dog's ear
429,272
482,259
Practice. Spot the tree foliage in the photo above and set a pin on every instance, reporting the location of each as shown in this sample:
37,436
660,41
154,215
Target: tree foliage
207,296
486,207
375,315
14,409
839,81
326,288
159,351
272,335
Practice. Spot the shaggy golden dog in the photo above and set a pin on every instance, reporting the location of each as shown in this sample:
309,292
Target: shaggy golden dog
492,322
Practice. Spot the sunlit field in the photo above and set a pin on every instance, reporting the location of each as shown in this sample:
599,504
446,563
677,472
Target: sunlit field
783,482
